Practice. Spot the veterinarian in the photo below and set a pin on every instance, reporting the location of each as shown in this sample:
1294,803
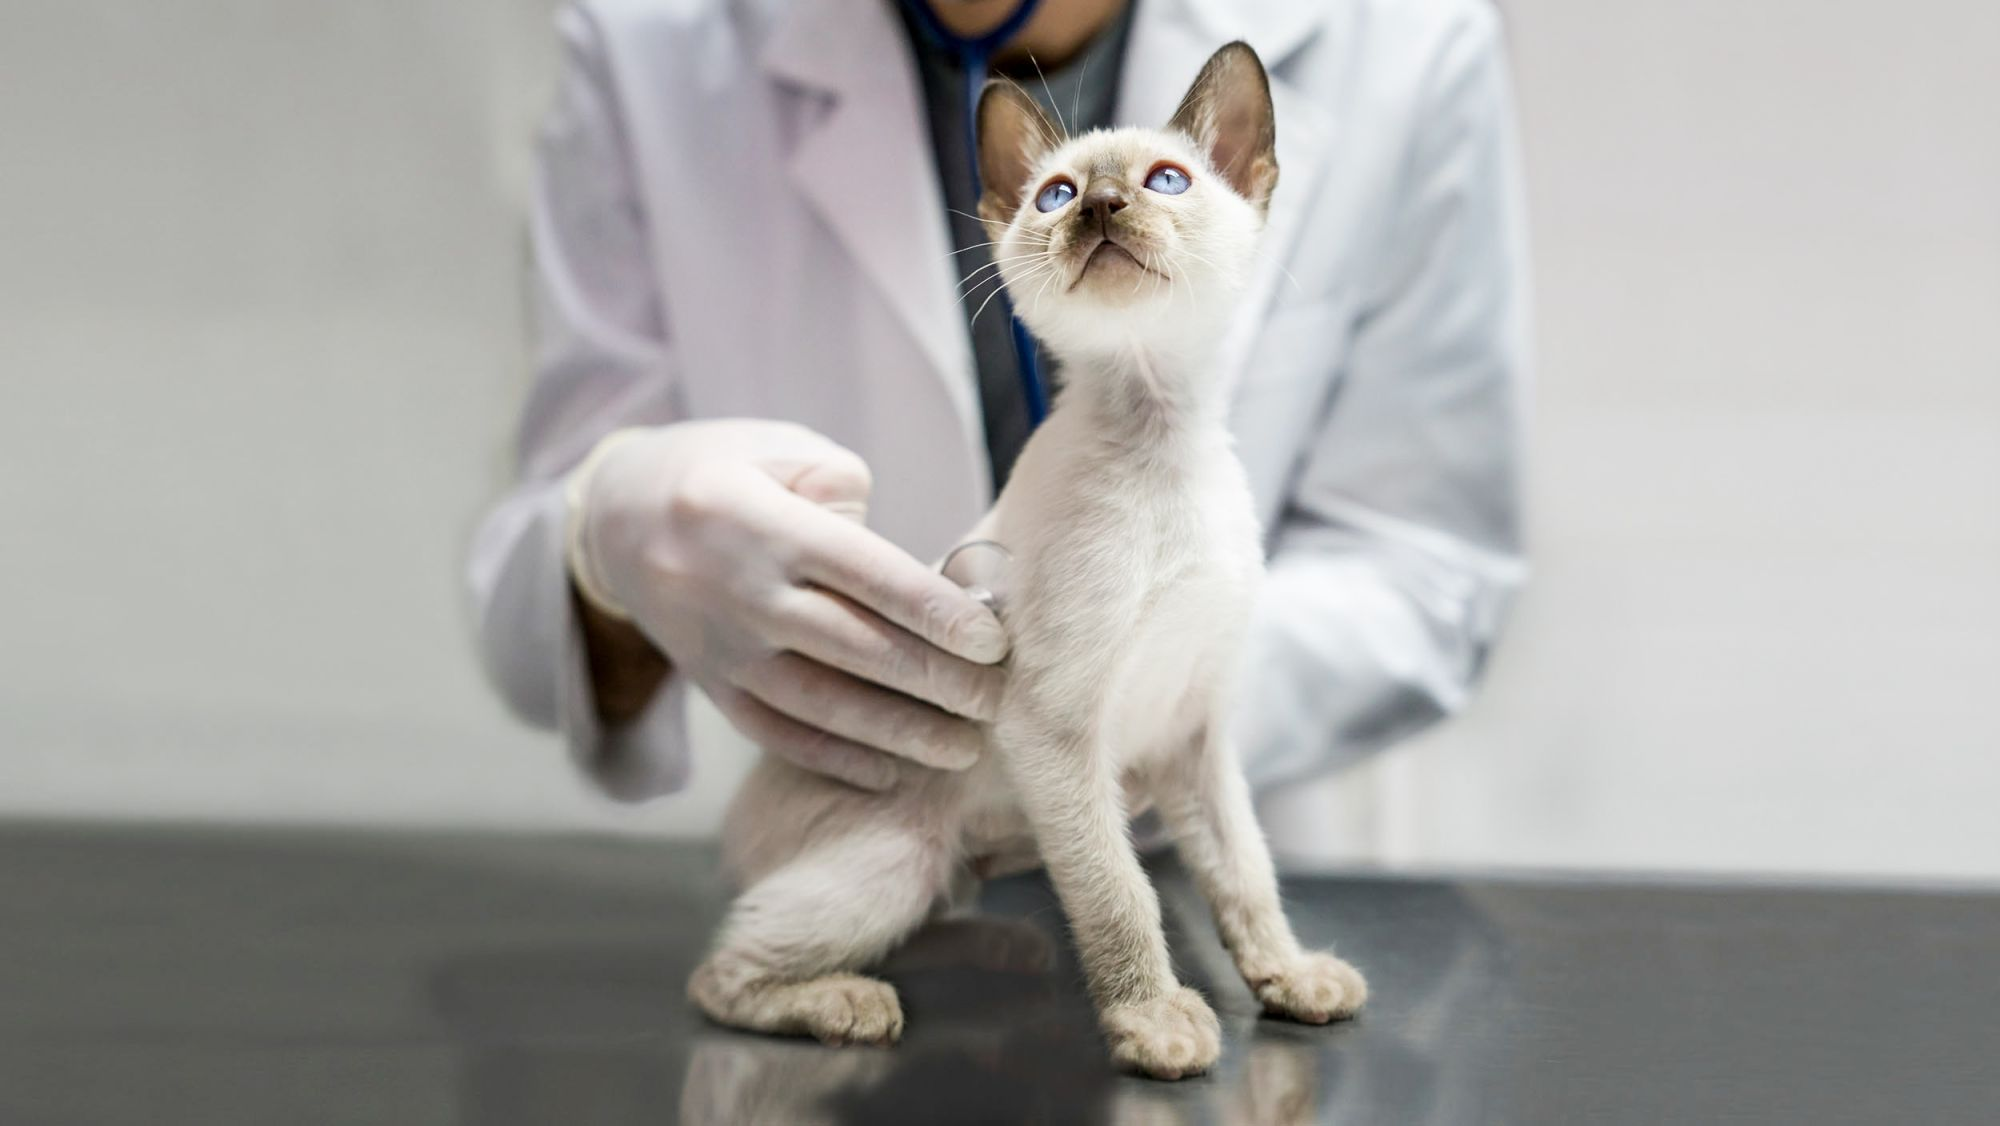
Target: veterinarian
751,231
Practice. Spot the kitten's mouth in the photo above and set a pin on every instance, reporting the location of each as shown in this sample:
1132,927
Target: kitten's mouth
1110,255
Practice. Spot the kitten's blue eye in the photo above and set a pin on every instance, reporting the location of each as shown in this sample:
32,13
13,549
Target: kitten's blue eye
1055,195
1167,180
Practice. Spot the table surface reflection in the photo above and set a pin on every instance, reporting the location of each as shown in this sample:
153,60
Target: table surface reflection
223,976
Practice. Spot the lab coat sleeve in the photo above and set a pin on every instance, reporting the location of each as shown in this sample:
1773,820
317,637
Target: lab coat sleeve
1399,548
603,360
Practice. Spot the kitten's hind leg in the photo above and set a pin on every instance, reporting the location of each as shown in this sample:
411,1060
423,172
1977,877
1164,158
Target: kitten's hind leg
1205,804
786,959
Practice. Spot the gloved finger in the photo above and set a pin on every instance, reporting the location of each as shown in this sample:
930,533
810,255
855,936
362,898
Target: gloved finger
865,713
804,745
851,560
836,631
838,481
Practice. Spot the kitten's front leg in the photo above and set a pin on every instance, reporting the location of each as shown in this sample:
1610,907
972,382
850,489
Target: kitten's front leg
1205,804
1068,785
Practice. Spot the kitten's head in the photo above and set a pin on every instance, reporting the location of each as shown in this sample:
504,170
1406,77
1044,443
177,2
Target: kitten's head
1130,236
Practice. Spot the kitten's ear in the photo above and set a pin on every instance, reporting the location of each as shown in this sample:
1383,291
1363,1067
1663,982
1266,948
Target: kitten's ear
1014,136
1227,112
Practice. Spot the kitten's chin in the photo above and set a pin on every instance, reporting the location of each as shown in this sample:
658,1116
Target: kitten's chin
1114,276
1116,297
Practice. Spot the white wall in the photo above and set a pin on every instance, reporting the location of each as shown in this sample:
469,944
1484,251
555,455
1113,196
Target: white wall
1765,627
259,325
262,340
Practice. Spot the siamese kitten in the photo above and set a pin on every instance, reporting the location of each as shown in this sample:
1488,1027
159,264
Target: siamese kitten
1136,555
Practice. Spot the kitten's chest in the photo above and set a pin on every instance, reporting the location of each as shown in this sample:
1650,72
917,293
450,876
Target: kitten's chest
1111,557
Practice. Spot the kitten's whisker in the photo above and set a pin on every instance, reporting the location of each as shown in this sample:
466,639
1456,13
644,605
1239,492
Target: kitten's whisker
1047,275
984,273
971,284
1053,275
997,291
1031,252
1008,258
1197,255
1076,95
1030,240
1204,260
1174,284
999,265
1296,287
973,290
1051,95
1261,252
1030,237
974,273
1280,267
1023,235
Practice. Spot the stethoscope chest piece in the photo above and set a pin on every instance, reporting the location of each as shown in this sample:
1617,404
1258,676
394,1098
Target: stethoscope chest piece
982,568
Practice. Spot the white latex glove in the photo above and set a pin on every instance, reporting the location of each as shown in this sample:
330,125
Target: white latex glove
737,547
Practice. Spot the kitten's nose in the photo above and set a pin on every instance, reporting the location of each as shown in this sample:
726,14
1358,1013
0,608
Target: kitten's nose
1101,201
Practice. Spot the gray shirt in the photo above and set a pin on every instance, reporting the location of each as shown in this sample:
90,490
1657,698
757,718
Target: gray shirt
1082,95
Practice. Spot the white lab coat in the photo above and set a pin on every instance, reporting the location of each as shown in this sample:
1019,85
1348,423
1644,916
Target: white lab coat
738,215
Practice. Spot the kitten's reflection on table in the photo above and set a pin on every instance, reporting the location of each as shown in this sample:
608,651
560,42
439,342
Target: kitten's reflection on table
739,1080
598,1030
1028,1048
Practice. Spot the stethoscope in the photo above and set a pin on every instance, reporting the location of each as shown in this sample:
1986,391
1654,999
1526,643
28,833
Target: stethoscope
973,55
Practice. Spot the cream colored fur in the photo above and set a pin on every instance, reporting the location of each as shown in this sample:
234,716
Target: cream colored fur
1136,557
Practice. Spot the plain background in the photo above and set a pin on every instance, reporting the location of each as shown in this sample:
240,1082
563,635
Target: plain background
261,330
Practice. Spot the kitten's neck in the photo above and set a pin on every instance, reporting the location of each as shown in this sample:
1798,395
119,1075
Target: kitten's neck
1145,399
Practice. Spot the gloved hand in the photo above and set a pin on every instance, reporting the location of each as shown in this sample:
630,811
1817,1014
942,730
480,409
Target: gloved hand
737,547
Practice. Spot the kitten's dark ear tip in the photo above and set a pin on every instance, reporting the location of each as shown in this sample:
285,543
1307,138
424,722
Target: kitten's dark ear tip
1000,92
989,96
1240,48
1237,53
994,88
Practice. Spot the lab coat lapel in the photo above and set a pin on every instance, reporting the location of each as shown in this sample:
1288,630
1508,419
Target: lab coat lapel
866,168
1171,39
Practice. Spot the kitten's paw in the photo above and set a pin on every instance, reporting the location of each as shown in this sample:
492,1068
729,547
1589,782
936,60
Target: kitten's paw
835,1009
1167,1037
848,1009
1314,988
